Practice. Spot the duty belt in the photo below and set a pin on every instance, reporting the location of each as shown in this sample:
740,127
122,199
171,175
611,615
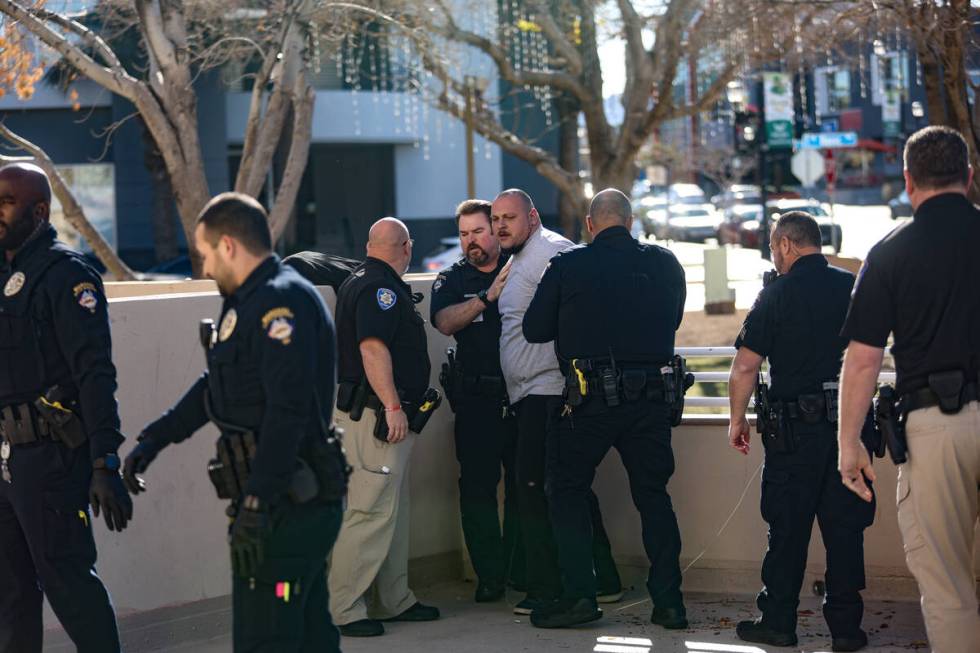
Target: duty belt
926,398
811,408
484,386
21,424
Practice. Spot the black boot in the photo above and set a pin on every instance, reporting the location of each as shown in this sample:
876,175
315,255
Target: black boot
362,628
489,592
670,618
759,633
851,643
565,613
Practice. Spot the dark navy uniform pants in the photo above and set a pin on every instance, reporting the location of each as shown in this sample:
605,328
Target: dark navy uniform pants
46,546
640,431
536,416
486,440
284,608
796,488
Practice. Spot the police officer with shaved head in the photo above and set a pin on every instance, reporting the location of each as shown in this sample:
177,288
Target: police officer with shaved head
59,426
622,390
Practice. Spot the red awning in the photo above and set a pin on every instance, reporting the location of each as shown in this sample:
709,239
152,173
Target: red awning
876,146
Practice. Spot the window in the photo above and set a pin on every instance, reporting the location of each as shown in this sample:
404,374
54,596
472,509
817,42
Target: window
889,72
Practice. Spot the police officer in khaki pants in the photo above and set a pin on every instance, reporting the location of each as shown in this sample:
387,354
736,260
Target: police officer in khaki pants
383,370
920,284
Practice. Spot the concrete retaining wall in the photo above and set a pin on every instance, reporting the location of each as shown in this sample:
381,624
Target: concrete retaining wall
175,550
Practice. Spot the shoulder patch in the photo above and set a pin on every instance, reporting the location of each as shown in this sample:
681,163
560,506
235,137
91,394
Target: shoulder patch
14,284
441,279
279,324
386,298
87,296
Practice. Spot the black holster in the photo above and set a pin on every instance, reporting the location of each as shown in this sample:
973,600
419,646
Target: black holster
329,463
55,408
449,378
229,469
890,420
677,381
352,398
774,426
948,388
418,414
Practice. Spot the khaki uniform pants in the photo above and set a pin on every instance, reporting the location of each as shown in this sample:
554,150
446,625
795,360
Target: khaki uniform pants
937,514
369,567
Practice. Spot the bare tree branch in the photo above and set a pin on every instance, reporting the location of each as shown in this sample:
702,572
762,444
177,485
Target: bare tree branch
72,209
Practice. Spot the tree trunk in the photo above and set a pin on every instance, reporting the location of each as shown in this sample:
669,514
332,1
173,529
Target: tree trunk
571,215
163,217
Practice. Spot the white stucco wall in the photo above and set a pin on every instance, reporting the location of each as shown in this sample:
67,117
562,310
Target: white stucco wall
175,550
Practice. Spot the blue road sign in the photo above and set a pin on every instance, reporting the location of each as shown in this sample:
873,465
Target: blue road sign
828,141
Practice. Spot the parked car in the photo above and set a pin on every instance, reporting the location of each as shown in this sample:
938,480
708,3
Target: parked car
447,253
831,234
729,229
900,206
691,223
649,212
737,194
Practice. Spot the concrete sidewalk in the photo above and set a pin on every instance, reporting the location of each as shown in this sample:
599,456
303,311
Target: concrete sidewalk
470,628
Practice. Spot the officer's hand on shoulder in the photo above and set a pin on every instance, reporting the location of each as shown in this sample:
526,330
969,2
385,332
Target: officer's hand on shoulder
108,495
497,287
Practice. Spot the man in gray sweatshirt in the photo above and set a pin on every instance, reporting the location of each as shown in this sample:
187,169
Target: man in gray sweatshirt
534,387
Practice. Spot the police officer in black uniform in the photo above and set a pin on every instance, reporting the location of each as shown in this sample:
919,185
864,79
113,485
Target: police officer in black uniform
268,388
618,366
795,323
383,395
59,427
464,305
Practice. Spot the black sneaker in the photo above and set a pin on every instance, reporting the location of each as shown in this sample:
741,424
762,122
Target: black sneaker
609,595
669,618
855,643
759,633
489,592
362,628
529,605
417,612
566,612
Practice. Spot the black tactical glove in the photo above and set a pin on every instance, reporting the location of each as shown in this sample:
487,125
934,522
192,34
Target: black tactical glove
138,461
247,537
107,494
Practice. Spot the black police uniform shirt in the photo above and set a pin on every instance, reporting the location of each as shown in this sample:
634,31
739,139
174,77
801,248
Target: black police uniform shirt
478,343
374,302
922,284
795,322
269,370
615,296
54,331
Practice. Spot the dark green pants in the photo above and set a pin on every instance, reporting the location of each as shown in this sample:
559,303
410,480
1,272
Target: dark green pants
284,609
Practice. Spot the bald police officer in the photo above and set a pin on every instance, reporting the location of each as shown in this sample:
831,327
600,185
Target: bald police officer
59,428
268,388
920,285
795,323
616,396
384,373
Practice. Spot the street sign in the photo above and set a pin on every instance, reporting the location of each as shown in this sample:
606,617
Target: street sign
808,166
829,140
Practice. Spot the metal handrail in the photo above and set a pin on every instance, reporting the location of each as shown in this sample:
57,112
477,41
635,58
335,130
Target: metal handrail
722,377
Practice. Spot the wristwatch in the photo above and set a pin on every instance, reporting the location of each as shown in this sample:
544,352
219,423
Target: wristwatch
109,462
482,296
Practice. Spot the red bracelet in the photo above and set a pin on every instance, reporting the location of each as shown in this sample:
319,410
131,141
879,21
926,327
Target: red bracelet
393,410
